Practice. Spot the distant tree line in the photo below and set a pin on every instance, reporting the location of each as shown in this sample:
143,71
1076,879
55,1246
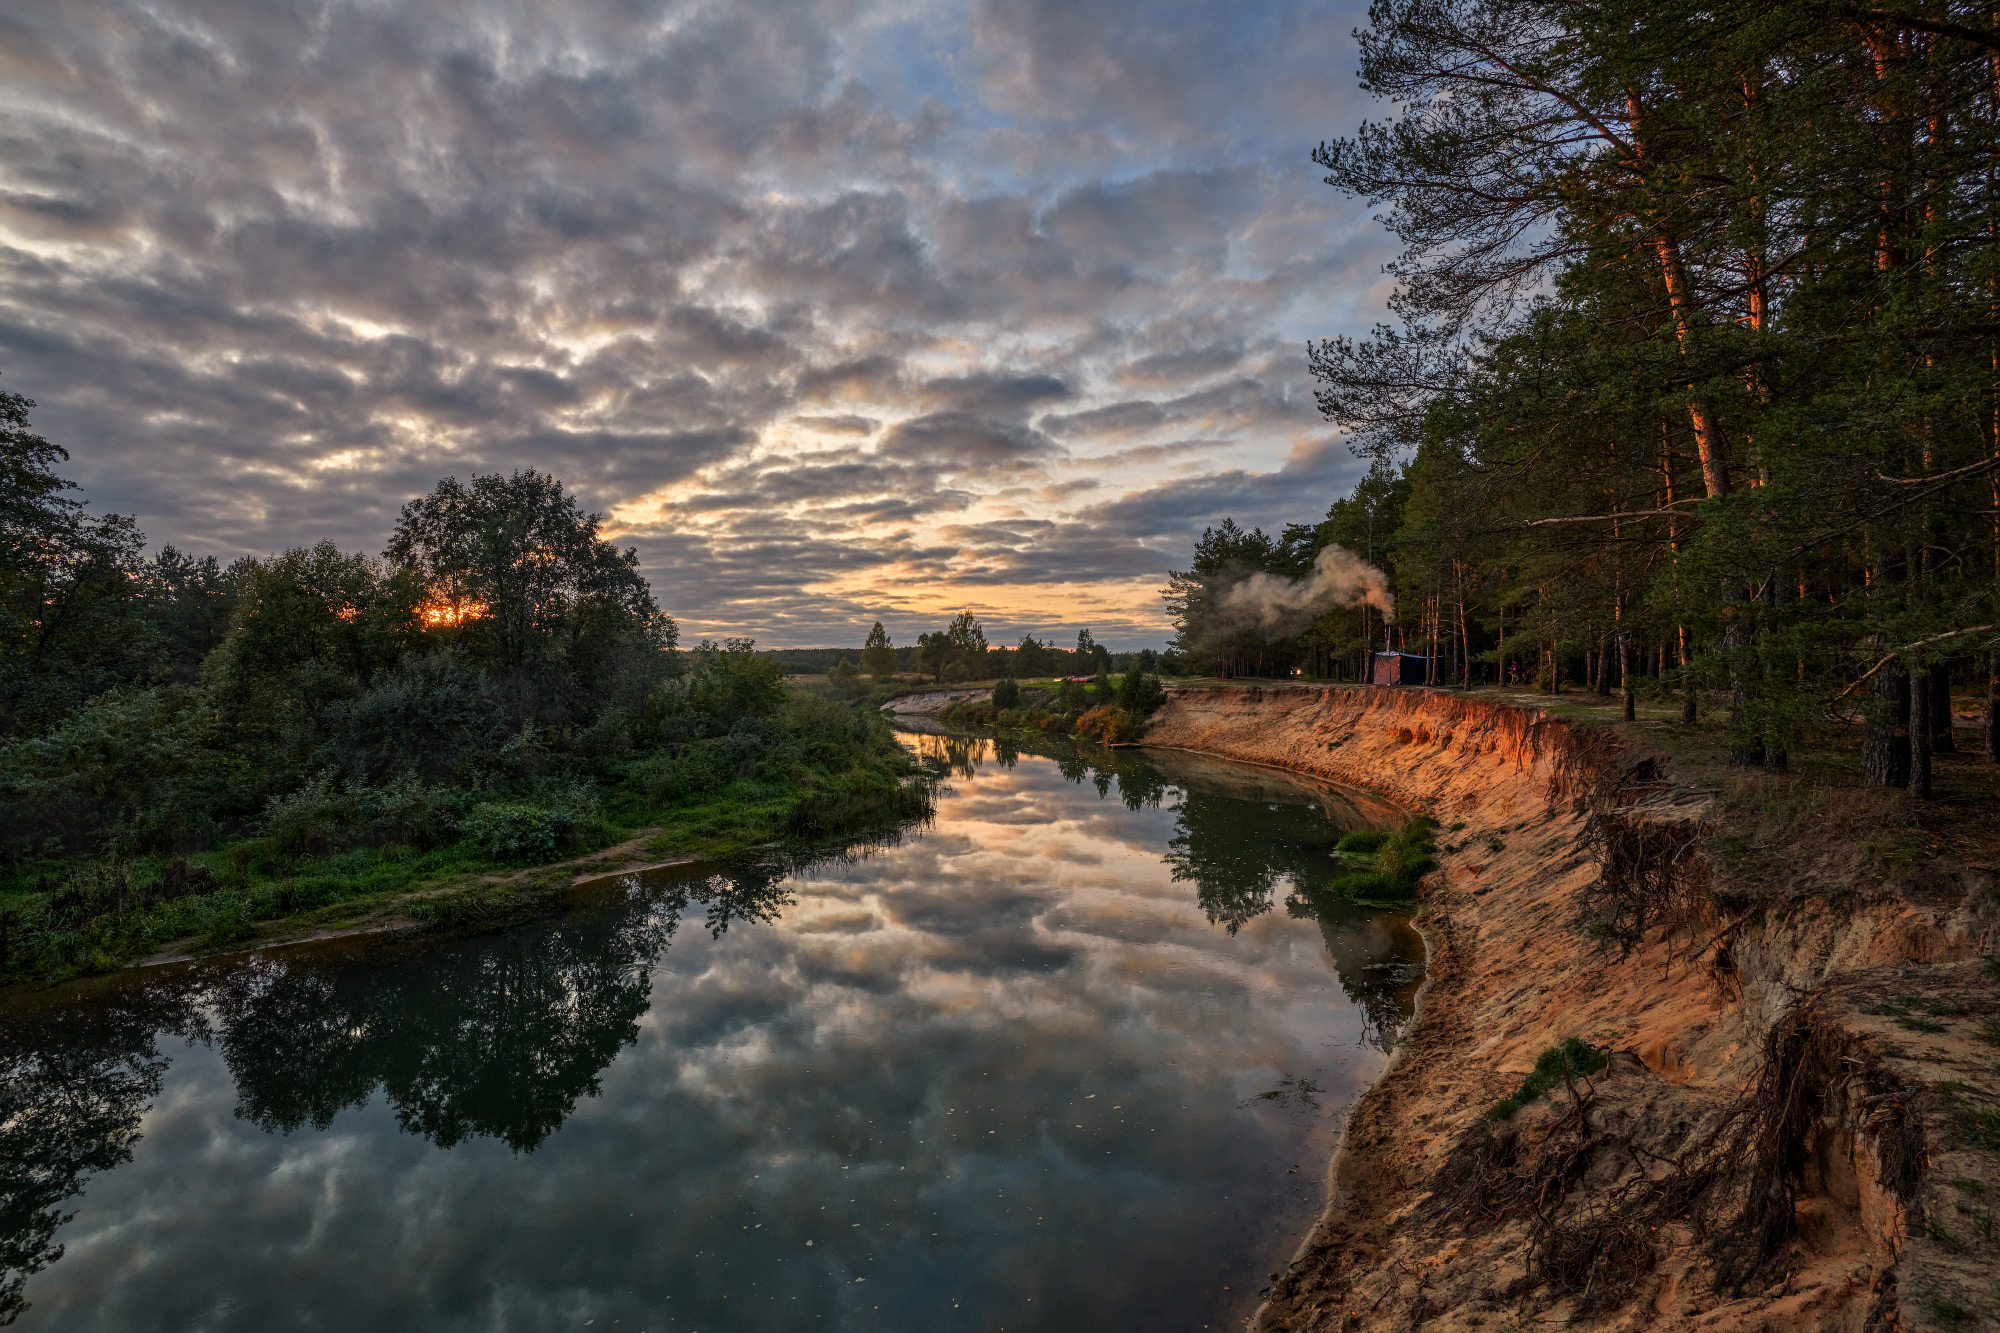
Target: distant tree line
960,652
1695,386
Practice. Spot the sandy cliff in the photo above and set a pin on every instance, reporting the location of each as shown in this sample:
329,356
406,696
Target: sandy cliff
1799,1074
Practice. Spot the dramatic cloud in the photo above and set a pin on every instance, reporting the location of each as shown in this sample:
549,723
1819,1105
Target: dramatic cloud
840,309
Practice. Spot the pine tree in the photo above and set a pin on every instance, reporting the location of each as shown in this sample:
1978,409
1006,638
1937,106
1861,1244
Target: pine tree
878,656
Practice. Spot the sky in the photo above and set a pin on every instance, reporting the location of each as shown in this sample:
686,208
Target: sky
837,311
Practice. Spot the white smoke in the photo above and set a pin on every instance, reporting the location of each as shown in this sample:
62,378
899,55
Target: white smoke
1338,578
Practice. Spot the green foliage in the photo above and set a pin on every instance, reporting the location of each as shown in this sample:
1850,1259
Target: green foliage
70,625
1006,693
878,655
957,652
725,682
1033,657
1573,1059
523,573
325,815
1110,725
347,615
845,679
533,831
1387,866
1690,385
321,730
1140,693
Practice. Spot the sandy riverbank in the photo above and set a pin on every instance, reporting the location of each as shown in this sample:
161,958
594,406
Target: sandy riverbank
1769,1146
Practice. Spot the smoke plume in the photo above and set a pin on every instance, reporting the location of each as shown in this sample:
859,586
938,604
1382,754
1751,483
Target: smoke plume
1338,578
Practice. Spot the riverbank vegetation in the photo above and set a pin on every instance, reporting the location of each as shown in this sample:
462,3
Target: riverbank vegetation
1095,710
1692,392
189,749
1385,865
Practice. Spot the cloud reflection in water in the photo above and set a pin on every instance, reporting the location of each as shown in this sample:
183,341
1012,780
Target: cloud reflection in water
1004,1075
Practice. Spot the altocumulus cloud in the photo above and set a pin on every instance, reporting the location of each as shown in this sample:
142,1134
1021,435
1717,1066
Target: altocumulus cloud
840,309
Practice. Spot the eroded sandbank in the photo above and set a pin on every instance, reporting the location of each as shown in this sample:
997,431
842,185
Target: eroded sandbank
1763,1144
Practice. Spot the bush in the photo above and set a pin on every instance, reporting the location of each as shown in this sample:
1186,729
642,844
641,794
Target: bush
532,831
1100,723
1140,693
1368,884
321,817
1107,724
1396,862
730,680
431,713
1407,856
1006,693
133,770
1574,1058
308,819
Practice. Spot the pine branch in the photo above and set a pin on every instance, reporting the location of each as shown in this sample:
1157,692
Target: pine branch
1909,648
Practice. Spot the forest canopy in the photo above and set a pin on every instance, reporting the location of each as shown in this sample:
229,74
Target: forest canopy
1693,376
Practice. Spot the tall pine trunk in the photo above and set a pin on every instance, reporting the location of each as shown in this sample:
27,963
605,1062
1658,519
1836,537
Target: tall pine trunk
1941,738
1920,734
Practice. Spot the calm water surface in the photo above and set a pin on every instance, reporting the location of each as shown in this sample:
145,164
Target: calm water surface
1073,1058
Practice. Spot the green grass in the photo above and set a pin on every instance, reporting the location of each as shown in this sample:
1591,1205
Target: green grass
1944,1311
1386,866
1978,1124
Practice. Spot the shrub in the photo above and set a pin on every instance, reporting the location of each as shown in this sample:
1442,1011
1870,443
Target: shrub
1140,693
431,713
134,769
308,819
1396,861
1366,884
1100,723
846,680
529,830
1006,693
1574,1058
729,680
320,817
1407,856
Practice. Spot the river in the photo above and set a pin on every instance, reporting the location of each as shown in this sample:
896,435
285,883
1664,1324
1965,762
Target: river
1073,1057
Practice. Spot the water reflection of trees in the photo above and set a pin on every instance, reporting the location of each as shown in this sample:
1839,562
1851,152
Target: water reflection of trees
1378,958
1240,835
958,755
1237,852
499,1035
498,1040
74,1085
